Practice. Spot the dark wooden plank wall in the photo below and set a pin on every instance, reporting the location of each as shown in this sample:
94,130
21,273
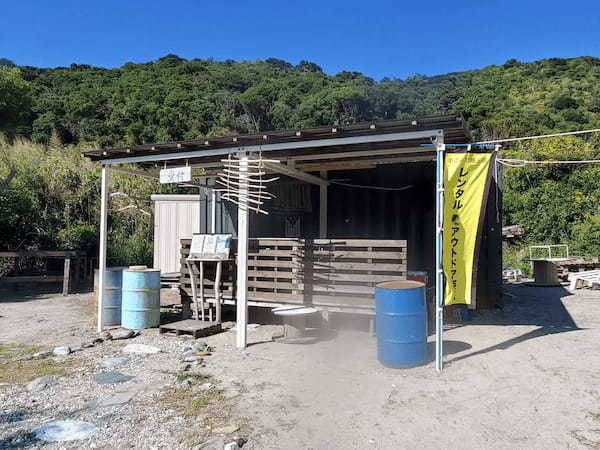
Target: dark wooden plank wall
339,274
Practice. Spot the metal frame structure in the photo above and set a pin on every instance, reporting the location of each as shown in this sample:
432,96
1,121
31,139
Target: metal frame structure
368,143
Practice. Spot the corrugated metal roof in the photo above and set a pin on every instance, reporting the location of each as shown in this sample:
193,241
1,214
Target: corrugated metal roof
453,126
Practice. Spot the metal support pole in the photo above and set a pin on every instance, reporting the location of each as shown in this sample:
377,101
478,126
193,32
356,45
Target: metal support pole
242,257
323,207
439,276
103,241
213,207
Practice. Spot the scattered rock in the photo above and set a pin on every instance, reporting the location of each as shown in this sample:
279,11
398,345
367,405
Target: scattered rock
61,351
215,443
117,399
241,441
111,363
199,346
65,430
140,348
105,336
193,358
112,377
206,386
186,367
123,334
41,383
226,429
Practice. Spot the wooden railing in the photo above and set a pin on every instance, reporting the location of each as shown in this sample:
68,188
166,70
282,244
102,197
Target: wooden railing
337,274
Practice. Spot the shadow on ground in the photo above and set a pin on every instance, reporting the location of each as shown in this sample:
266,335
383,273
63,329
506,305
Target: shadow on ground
526,305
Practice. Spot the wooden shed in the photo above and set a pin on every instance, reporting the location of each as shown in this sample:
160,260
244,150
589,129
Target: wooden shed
360,207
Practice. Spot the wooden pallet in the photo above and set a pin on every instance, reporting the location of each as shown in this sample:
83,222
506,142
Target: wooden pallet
196,328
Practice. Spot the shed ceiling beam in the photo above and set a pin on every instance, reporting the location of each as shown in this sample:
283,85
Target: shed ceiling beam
365,162
317,143
386,151
295,173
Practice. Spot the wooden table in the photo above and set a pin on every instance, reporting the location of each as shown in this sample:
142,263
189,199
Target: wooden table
67,255
190,262
545,270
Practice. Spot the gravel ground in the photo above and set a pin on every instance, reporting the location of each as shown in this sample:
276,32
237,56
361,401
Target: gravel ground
525,377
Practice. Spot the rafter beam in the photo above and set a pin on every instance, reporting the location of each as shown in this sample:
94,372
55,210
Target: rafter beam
295,173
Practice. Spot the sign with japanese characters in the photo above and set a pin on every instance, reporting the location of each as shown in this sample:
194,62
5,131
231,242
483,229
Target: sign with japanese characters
465,177
176,175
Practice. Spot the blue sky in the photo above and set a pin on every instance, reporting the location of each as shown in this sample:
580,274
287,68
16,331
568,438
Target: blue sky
379,38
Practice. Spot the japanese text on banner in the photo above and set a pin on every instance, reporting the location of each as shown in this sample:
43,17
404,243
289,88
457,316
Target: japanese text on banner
465,177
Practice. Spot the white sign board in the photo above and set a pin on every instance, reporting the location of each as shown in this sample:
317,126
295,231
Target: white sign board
176,175
210,246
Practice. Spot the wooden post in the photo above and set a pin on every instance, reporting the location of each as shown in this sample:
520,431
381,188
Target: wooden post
323,207
67,275
213,211
242,258
103,237
217,290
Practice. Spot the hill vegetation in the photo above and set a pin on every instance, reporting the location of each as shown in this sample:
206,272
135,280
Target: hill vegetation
64,110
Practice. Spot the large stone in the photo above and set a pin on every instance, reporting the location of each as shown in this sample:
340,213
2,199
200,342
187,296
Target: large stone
206,386
41,383
65,430
117,361
111,377
122,334
116,399
140,348
61,351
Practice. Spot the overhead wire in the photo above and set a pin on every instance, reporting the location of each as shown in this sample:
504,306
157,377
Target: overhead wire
568,133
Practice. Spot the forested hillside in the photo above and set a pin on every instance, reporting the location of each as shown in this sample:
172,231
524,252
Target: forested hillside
76,107
172,99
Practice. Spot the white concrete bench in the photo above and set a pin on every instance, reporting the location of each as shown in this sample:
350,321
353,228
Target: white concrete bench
581,279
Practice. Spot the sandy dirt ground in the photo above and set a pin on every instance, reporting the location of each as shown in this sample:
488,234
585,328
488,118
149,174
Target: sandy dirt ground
524,377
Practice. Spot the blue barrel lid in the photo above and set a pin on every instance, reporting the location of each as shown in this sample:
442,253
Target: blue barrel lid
400,285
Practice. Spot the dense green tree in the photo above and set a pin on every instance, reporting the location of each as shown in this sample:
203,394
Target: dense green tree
15,101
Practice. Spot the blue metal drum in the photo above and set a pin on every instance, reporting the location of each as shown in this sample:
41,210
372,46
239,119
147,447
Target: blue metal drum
111,311
141,298
401,323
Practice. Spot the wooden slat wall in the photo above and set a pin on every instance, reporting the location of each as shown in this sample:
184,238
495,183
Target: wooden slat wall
336,273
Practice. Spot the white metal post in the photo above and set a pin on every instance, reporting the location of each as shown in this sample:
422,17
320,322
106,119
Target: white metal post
323,207
213,207
242,257
103,237
439,276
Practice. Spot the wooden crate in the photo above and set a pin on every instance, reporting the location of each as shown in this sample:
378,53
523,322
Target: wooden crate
337,274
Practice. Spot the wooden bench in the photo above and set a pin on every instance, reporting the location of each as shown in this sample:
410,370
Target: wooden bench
581,279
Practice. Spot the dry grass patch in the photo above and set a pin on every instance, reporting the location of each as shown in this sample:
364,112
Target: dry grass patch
23,371
14,351
210,409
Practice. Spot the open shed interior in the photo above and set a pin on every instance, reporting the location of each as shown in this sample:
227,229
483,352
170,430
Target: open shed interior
353,205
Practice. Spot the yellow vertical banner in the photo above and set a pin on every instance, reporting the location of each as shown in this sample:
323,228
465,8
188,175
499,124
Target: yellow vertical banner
465,177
